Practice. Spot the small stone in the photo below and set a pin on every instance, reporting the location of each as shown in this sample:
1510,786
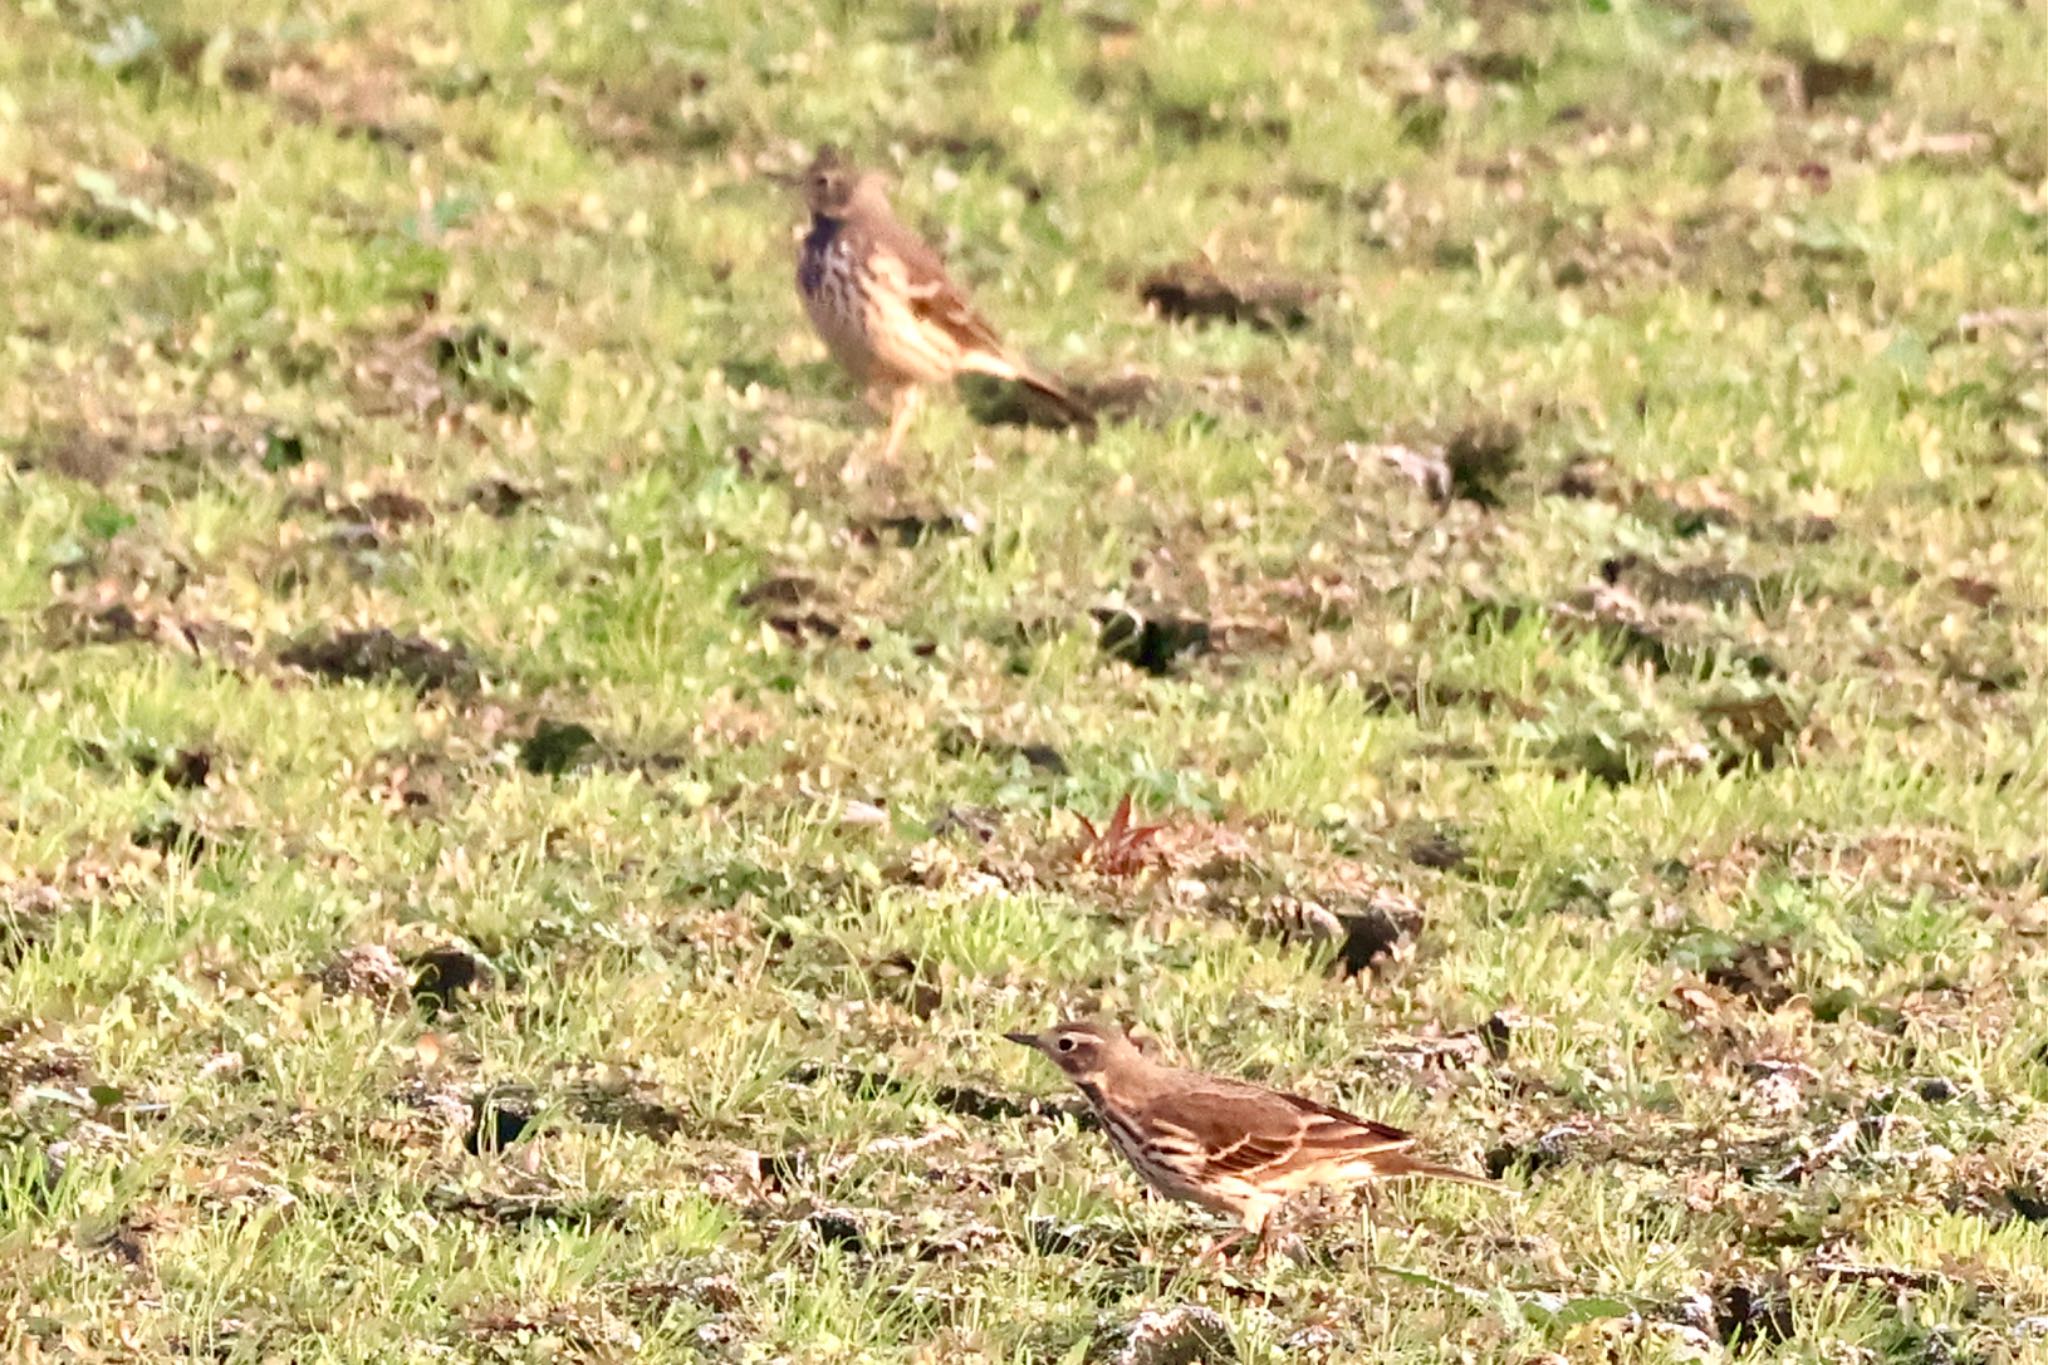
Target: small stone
1187,1334
368,969
718,1292
1314,1340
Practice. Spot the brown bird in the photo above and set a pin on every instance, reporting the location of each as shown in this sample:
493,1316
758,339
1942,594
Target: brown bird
885,306
1230,1146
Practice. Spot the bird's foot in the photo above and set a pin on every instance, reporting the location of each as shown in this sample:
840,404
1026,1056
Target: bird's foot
1216,1249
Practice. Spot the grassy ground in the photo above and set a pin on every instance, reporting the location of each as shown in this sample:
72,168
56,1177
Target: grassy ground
505,854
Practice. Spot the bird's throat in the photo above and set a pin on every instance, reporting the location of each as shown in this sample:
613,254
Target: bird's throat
811,268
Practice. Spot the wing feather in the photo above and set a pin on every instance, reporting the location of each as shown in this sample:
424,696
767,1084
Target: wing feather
931,293
1247,1129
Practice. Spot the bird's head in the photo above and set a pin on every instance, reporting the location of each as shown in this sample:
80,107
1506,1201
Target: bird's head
1083,1050
834,187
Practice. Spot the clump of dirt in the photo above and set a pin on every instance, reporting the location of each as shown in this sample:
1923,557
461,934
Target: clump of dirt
631,1112
960,742
1496,66
1366,930
1755,971
1549,1150
29,1058
1815,79
1439,848
556,747
173,838
184,769
1753,729
369,970
27,909
1196,292
498,1120
1152,643
1752,1313
798,610
1481,458
499,497
440,974
379,655
1186,1334
485,366
909,529
1625,626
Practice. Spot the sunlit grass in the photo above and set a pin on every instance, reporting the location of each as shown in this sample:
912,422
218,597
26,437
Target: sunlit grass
1694,750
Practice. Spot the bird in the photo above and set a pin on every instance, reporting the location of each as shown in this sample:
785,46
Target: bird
887,310
1230,1146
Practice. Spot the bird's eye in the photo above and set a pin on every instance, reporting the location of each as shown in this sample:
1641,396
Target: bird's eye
1066,1044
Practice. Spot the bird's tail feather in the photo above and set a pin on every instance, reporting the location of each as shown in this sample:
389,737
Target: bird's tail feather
1015,370
1394,1165
1071,407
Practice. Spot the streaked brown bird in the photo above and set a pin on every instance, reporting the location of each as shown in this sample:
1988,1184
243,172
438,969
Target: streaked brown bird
885,306
1230,1146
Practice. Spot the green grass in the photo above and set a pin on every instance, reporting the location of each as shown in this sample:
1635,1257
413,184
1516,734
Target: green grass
1697,748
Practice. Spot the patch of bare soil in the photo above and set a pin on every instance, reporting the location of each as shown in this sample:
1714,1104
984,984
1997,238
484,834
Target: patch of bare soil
380,655
1196,292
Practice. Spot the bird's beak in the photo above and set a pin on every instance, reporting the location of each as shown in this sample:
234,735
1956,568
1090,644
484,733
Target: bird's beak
1027,1039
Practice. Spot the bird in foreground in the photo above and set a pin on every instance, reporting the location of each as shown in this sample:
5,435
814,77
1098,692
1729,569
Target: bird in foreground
1230,1146
886,308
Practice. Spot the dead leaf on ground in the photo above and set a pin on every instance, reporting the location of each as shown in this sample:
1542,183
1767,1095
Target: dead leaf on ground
1121,848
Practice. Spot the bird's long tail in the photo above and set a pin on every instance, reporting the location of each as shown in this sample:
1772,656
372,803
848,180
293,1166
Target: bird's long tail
1010,367
1394,1165
1070,407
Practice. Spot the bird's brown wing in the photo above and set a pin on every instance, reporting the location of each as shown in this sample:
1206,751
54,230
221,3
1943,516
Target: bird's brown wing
931,292
1244,1129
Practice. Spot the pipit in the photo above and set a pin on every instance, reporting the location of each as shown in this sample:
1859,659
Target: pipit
886,308
1230,1146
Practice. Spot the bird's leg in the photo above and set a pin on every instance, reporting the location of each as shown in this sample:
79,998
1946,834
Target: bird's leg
1371,1231
1269,1237
902,407
1214,1251
854,470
